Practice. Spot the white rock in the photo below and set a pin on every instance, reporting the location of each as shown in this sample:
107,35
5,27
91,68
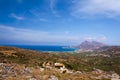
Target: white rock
115,79
115,75
52,77
41,69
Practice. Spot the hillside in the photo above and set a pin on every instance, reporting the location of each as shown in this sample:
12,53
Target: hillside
91,45
17,64
113,51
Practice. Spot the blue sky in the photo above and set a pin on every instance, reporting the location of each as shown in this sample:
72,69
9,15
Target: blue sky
59,22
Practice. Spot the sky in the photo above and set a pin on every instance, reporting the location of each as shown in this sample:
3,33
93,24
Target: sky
59,22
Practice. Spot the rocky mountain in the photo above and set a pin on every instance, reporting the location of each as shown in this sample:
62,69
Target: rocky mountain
91,45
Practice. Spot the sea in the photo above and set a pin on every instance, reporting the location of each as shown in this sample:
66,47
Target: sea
45,48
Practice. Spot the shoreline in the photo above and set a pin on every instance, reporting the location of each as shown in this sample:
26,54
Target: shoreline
49,49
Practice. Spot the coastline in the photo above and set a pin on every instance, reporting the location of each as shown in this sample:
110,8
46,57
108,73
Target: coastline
46,48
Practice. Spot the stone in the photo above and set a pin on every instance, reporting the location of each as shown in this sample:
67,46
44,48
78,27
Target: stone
41,69
32,79
52,77
115,75
115,79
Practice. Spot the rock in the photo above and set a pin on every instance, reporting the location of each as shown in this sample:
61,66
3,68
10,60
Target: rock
115,79
32,79
59,65
78,72
52,77
1,64
48,64
28,70
41,69
63,70
115,75
97,71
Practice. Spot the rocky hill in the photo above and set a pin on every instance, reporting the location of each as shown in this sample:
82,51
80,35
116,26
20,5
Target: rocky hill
21,64
113,51
90,45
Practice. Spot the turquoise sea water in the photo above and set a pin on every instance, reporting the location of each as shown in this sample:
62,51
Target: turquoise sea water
46,48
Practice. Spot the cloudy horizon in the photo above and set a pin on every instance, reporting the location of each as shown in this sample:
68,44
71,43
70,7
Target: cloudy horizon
59,22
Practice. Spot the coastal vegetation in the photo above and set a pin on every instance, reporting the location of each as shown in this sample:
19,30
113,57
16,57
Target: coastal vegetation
84,61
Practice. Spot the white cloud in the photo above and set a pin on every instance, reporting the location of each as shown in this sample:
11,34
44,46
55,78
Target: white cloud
38,16
107,8
10,34
52,4
36,12
19,34
99,38
28,36
67,32
16,16
52,7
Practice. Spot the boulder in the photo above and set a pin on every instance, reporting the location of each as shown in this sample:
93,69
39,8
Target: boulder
52,77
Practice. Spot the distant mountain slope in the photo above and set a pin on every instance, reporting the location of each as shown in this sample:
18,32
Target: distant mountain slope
113,51
91,45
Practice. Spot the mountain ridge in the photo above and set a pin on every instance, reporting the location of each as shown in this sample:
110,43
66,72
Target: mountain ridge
91,45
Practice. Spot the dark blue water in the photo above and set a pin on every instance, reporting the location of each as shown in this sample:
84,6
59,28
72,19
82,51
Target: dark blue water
46,48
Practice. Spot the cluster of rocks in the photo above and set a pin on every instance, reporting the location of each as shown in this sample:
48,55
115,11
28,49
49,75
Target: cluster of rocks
21,72
18,72
59,67
105,75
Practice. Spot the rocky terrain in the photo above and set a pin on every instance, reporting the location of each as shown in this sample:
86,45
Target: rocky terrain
90,45
22,72
20,64
113,51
